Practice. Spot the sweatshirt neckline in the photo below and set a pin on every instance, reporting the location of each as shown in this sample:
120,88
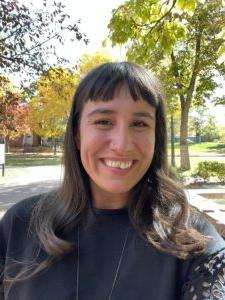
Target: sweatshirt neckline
111,212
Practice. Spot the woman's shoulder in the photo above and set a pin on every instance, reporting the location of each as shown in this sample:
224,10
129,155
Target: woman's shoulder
205,276
209,228
19,213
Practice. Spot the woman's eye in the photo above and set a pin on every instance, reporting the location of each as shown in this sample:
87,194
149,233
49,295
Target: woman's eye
140,124
103,123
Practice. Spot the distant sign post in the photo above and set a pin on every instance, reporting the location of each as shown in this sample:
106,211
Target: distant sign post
2,158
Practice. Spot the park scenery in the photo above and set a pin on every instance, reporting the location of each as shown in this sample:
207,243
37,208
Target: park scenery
45,51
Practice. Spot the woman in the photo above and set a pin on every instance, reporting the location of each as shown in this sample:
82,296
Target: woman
119,227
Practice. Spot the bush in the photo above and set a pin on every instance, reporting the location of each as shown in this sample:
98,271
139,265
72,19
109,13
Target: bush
207,169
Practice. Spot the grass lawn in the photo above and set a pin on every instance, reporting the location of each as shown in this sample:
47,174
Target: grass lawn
207,147
199,152
32,159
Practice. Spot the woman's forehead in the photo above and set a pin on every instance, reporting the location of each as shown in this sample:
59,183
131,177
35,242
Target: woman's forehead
110,90
121,103
123,92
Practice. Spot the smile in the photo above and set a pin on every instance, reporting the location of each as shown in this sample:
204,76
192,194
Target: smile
118,164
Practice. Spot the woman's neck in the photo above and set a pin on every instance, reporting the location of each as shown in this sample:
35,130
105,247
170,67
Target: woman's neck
108,203
105,200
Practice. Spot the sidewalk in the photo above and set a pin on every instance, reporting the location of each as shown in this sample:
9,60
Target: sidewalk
24,175
23,182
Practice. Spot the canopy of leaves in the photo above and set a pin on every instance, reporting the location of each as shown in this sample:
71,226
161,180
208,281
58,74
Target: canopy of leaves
13,111
27,35
88,62
49,109
180,40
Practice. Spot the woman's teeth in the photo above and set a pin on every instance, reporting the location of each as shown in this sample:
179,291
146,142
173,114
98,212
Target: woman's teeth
118,164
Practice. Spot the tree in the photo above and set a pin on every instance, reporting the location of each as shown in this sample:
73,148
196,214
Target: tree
182,41
211,130
173,118
203,125
88,61
50,107
197,122
27,35
13,112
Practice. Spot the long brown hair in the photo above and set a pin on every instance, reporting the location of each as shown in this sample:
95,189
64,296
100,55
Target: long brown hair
158,209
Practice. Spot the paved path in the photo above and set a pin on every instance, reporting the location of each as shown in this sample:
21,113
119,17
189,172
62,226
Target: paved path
12,194
20,183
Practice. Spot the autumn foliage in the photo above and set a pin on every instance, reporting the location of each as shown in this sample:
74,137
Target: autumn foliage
13,112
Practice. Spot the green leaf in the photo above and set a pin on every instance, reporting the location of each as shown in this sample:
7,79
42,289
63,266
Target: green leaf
188,5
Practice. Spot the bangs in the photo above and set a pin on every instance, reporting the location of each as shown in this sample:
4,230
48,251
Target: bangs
103,82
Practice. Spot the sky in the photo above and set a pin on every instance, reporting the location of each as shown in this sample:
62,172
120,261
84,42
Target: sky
94,16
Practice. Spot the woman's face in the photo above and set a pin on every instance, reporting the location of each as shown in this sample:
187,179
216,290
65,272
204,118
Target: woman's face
116,142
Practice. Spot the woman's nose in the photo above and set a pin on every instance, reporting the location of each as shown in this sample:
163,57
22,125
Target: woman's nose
121,140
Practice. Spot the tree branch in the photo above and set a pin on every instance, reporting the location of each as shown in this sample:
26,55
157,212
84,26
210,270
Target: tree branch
10,35
29,50
156,22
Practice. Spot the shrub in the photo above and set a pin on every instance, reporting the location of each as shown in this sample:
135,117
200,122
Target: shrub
207,169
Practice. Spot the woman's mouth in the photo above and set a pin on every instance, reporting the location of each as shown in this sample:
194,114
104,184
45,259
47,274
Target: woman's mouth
118,164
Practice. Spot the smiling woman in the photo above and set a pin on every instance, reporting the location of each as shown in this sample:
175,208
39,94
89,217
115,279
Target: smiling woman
116,143
119,227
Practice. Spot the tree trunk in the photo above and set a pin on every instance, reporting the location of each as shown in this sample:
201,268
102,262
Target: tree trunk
23,145
198,137
173,163
186,103
55,146
6,142
184,151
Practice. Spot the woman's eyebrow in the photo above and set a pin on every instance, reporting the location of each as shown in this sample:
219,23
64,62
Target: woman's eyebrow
145,114
109,111
100,111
